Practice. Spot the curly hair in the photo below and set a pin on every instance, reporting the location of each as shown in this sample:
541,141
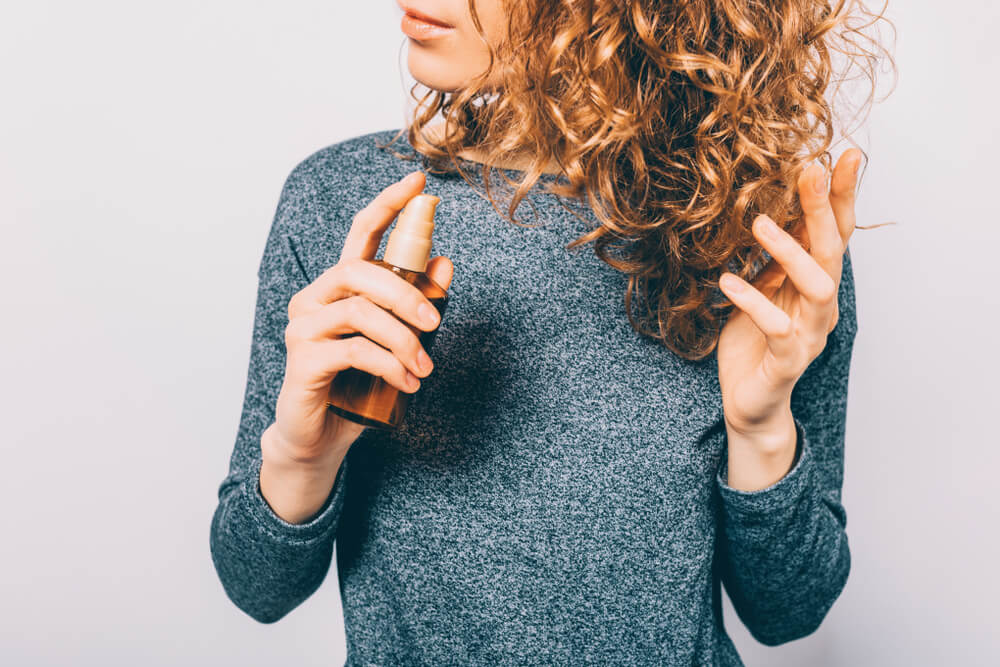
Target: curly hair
677,121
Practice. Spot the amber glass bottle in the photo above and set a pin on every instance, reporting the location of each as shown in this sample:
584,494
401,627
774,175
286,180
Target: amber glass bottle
367,399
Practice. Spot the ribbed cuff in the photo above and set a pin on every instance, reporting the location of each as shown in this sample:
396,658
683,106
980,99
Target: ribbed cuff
321,525
776,497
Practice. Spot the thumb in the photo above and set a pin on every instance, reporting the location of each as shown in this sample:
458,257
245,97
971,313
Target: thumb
440,270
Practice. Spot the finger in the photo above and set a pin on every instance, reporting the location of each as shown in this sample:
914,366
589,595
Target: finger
772,321
359,352
773,276
370,223
380,285
814,284
440,270
842,199
825,243
770,279
357,314
843,188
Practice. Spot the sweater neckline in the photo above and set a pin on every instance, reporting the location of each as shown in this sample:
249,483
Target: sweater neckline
477,167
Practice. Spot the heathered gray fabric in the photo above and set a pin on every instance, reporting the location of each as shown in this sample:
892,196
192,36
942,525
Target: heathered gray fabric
556,494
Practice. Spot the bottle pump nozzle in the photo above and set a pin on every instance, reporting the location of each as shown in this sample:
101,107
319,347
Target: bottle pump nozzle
409,244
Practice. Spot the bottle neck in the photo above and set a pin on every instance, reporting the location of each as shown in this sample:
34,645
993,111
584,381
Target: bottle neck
407,251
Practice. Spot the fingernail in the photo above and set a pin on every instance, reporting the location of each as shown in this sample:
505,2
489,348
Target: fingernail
819,181
427,314
424,361
412,178
411,380
732,283
767,227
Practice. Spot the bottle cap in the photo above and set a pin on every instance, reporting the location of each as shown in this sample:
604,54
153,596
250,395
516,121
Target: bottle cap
409,244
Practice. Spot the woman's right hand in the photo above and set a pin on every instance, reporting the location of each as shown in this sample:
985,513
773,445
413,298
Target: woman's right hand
352,296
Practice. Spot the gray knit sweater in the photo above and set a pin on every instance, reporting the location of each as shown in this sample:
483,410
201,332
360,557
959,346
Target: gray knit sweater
557,492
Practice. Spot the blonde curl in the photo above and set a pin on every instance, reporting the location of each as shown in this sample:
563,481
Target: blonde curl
677,122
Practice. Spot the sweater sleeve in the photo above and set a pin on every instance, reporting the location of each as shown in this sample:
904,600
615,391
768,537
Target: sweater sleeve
268,566
783,550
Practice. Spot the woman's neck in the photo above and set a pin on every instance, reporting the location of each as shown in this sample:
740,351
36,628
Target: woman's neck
473,154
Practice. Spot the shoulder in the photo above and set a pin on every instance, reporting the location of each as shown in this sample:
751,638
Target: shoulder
356,159
353,165
327,188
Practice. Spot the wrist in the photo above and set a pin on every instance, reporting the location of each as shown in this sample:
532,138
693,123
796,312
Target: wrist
295,491
764,433
763,456
275,450
770,438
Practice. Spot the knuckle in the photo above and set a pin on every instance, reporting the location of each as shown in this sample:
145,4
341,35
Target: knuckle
366,220
828,292
359,218
293,334
356,349
786,329
330,272
293,305
814,346
353,309
343,269
337,273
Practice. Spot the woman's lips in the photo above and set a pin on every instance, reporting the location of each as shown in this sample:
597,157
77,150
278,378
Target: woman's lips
418,28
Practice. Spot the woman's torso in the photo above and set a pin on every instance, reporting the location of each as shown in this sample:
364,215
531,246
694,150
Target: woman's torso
550,495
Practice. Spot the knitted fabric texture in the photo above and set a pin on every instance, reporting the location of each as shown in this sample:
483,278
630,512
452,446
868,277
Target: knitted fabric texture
557,492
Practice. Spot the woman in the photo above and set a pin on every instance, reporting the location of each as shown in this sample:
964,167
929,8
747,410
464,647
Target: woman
573,482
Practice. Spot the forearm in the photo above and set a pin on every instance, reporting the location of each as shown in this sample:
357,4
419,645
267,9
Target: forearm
295,492
267,564
784,553
783,550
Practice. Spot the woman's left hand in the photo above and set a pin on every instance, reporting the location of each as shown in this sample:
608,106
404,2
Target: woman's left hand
780,325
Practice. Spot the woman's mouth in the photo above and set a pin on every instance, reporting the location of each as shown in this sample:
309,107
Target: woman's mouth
422,27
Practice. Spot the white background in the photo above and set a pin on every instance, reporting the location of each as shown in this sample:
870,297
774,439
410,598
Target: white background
142,150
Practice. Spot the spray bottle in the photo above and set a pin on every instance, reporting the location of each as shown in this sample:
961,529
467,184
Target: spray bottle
367,399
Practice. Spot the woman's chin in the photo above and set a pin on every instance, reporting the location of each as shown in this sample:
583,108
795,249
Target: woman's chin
437,72
433,79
